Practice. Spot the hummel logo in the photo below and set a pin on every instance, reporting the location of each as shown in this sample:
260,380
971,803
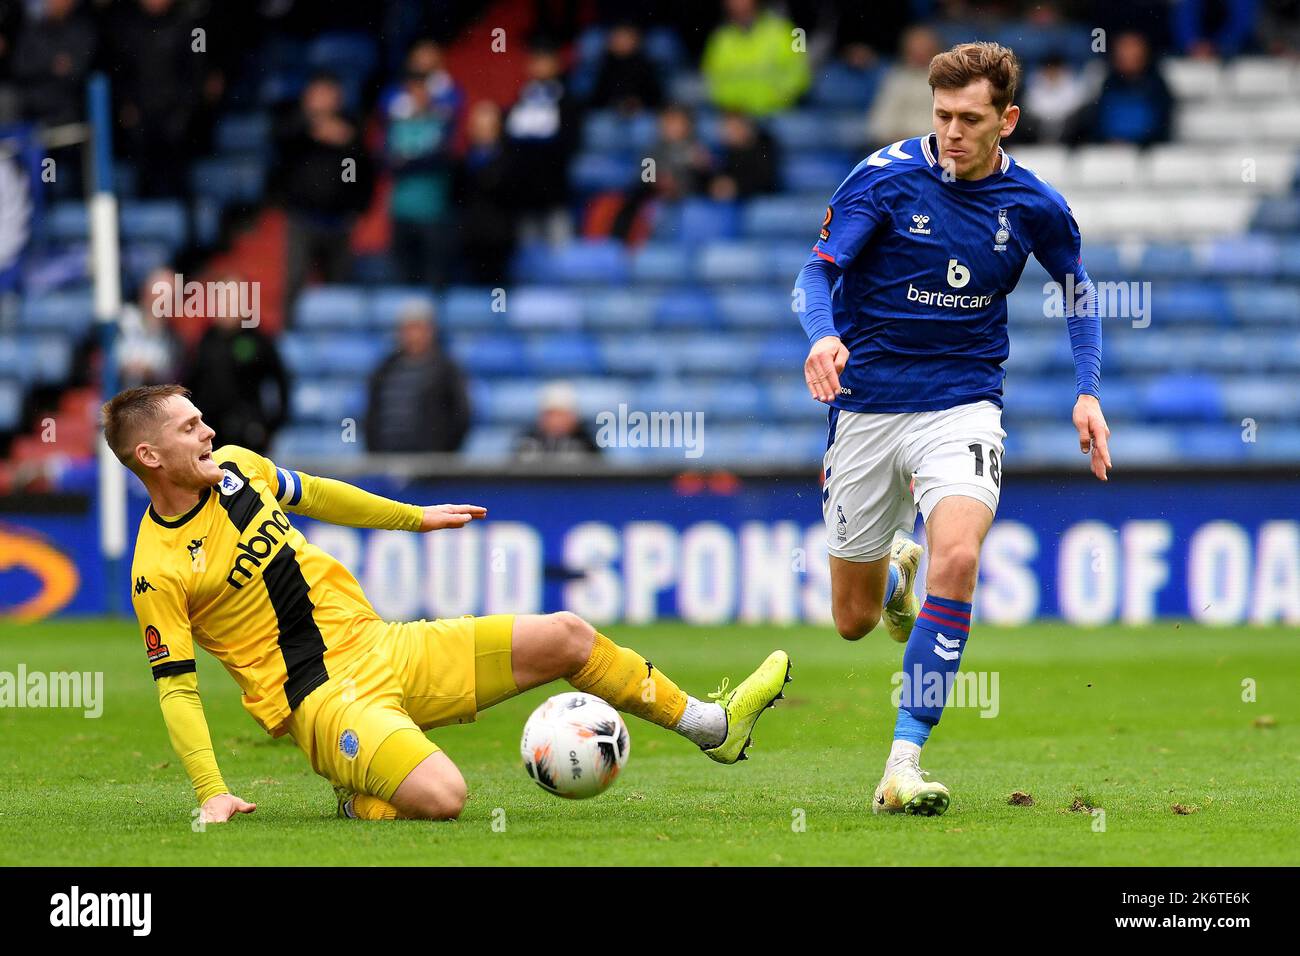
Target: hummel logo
141,585
919,225
954,648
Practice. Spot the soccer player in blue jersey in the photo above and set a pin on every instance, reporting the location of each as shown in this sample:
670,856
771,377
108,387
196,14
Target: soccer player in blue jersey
904,302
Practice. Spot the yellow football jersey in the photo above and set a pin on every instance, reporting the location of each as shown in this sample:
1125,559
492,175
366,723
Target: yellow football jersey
234,577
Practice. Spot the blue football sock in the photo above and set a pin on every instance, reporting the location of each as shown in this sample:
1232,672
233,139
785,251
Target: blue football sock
891,585
930,664
911,729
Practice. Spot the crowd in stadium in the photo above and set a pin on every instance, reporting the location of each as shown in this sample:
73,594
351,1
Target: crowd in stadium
382,171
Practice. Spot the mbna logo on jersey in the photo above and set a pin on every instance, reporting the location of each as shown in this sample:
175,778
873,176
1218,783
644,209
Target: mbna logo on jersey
1003,235
230,483
349,744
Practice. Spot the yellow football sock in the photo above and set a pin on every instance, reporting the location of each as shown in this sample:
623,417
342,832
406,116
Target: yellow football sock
630,683
366,807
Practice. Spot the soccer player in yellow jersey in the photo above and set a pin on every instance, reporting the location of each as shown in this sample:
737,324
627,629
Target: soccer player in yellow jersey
219,565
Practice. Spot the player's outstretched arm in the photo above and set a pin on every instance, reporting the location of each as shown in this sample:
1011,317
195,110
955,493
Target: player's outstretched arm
1093,434
178,695
327,499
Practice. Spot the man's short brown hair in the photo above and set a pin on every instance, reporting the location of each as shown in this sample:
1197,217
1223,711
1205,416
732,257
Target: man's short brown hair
967,62
131,415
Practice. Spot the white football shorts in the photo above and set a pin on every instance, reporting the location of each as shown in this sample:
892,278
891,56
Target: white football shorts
881,468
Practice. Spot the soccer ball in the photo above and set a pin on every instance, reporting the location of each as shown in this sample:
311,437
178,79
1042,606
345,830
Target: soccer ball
574,745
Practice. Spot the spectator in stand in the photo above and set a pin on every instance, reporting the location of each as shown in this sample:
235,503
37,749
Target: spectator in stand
1054,94
323,194
51,61
485,222
558,432
682,163
239,381
1135,105
748,163
160,84
750,63
422,116
11,23
627,80
541,130
1214,29
1279,28
903,106
148,351
418,398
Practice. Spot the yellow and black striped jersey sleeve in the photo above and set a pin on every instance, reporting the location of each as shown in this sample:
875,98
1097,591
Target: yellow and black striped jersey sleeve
161,609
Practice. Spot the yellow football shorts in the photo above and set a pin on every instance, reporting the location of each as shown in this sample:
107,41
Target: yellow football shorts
363,729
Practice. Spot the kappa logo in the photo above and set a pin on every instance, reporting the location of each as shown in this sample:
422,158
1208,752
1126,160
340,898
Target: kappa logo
953,648
919,225
142,585
230,482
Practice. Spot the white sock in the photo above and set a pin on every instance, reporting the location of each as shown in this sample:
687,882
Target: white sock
903,751
704,725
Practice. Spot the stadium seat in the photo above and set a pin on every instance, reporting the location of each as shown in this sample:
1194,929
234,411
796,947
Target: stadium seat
384,307
622,308
1193,79
70,312
472,308
704,220
839,85
11,404
160,219
331,307
816,172
243,133
543,307
766,216
688,307
736,261
1182,398
489,354
563,354
661,262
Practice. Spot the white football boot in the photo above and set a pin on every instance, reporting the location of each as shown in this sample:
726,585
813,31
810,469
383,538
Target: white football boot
900,613
904,789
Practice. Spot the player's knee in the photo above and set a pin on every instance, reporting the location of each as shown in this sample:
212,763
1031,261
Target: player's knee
573,641
856,623
443,798
954,567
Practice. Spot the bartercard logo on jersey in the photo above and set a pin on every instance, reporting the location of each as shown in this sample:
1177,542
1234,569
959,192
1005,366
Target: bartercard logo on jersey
230,483
258,548
1003,235
919,225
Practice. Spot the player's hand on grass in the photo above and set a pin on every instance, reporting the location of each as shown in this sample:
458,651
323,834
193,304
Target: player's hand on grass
437,517
1093,433
223,806
823,366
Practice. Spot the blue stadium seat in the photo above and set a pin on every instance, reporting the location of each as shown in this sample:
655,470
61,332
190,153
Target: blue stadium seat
736,261
783,352
563,354
230,179
331,307
1219,443
471,308
580,262
159,219
606,131
1260,398
348,353
1241,256
243,133
1252,304
709,353
661,262
634,355
1182,398
690,307
298,442
623,308
1278,214
69,312
816,172
594,172
506,402
328,400
67,221
765,216
704,220
490,442
840,85
386,305
1165,260
489,354
756,308
543,307
11,404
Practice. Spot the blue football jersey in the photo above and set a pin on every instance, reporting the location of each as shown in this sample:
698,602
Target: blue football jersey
927,265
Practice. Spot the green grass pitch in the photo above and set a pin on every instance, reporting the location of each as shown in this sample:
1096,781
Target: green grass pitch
1132,721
